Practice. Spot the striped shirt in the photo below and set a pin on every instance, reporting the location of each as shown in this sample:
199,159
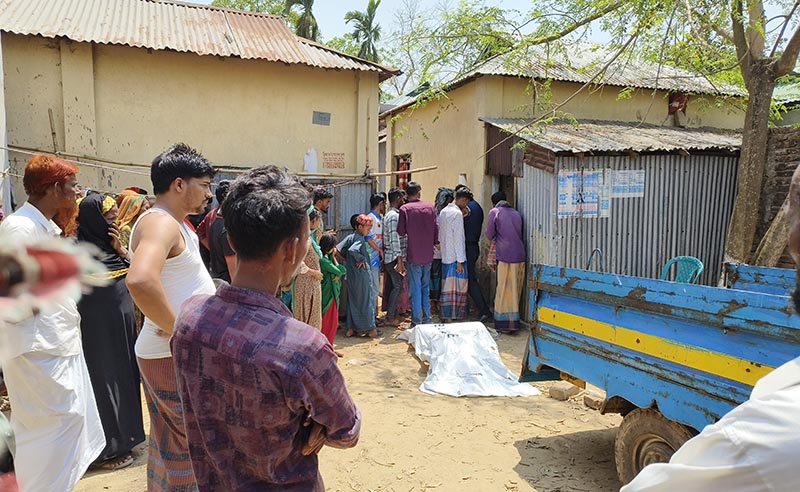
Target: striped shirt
394,244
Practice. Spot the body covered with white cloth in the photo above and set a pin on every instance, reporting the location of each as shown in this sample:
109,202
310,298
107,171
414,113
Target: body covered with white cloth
464,361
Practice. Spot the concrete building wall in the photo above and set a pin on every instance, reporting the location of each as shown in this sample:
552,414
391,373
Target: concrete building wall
519,100
126,105
447,133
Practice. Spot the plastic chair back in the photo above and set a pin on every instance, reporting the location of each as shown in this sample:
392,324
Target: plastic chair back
688,271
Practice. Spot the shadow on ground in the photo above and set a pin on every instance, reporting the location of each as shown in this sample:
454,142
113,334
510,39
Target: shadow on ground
584,457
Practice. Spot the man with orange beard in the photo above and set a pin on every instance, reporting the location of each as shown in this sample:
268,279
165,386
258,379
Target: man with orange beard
55,419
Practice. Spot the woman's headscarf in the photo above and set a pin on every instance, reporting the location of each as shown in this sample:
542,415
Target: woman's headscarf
443,198
93,228
129,209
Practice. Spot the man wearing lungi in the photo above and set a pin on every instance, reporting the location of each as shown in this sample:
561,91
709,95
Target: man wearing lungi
505,229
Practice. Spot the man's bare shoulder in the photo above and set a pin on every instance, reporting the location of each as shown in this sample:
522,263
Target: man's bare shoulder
156,227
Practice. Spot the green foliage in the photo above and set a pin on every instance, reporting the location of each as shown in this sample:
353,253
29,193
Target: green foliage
625,93
366,31
439,44
306,25
345,44
273,7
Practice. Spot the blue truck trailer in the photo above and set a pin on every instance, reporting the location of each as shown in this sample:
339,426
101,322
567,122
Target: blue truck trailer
671,357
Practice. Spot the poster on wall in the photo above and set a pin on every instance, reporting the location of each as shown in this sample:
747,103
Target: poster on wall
568,193
591,185
605,193
584,194
628,184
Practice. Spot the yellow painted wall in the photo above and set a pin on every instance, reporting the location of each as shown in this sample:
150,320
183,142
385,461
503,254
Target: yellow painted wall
444,133
128,104
604,103
447,132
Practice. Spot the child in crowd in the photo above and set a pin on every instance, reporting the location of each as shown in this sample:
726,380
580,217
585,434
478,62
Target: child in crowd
360,315
332,273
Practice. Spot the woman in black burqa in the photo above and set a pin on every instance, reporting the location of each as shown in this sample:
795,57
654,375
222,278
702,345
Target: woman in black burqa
109,333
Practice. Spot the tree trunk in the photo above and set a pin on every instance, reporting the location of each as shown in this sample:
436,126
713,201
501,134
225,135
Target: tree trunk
774,242
752,164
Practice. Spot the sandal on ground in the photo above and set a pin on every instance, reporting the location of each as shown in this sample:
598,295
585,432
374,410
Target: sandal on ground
374,333
350,333
113,464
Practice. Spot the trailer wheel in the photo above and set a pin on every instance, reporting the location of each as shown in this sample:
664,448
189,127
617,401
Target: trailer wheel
644,437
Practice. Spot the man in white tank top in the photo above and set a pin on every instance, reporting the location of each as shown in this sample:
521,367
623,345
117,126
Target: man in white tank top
166,269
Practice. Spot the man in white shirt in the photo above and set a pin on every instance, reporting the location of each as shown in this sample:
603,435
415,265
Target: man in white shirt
55,419
455,281
755,446
166,269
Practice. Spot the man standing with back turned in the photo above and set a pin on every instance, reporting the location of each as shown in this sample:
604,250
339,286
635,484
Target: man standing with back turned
418,223
167,269
505,229
262,392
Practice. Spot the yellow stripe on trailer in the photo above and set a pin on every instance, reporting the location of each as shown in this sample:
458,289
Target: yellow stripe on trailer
716,363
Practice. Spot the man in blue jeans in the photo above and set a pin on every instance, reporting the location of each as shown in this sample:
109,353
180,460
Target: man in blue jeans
418,223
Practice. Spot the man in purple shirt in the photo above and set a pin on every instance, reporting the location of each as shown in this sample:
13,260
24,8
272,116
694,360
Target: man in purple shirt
261,391
505,229
418,223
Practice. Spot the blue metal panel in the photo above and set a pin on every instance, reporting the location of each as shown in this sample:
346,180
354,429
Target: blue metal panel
763,314
735,325
777,281
643,388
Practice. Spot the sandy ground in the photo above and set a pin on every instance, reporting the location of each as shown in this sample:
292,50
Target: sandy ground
411,441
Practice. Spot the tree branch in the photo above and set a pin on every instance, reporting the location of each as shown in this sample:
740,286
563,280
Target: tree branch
788,59
578,24
740,40
755,28
714,27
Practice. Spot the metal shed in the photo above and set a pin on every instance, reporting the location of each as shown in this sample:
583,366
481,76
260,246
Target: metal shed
640,194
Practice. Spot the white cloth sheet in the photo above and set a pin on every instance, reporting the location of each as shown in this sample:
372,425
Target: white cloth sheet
464,361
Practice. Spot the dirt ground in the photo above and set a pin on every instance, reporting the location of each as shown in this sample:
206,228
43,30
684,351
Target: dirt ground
414,442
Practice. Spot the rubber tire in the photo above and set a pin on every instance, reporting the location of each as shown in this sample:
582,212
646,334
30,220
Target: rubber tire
644,437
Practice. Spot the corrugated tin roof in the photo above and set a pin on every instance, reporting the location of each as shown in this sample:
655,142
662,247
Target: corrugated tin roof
612,136
168,25
583,61
581,64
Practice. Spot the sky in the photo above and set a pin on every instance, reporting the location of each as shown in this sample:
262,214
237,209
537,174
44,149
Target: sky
330,13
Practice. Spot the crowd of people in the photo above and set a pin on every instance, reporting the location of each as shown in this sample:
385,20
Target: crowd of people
235,353
141,330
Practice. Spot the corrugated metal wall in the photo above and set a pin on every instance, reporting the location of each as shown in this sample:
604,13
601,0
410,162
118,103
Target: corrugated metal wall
685,210
349,199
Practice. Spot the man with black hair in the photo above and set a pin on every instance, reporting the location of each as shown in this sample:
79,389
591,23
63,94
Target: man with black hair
394,251
377,207
212,235
473,228
418,223
504,227
280,394
166,269
322,202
